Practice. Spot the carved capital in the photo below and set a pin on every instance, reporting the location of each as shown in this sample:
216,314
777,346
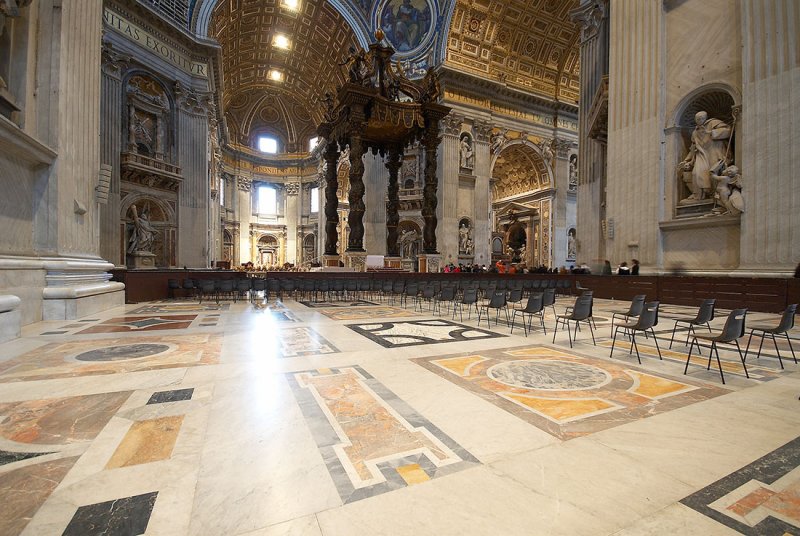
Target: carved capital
244,184
113,63
589,16
192,101
452,124
10,8
561,147
292,188
483,131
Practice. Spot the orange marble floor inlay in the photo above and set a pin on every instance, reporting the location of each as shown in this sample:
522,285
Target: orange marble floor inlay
147,441
565,394
126,324
111,356
371,441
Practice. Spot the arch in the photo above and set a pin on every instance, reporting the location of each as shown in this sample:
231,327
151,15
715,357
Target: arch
162,219
268,240
705,94
519,168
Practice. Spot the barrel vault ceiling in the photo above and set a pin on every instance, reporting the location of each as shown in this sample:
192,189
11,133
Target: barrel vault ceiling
530,45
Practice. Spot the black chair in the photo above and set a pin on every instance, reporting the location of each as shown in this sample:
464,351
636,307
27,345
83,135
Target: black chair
469,298
259,285
581,312
704,315
590,294
549,299
225,287
190,286
274,286
351,289
534,307
446,295
411,290
172,286
633,311
243,286
426,294
207,289
514,297
647,318
498,303
731,332
787,323
397,290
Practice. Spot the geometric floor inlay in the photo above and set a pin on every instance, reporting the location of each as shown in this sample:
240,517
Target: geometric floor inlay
125,516
77,357
141,323
177,395
371,441
338,313
192,307
760,498
416,332
338,303
296,342
563,394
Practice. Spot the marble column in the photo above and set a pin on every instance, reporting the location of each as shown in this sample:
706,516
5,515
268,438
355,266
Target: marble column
561,176
110,149
481,224
770,135
592,18
431,142
448,170
355,217
244,213
293,216
331,201
393,163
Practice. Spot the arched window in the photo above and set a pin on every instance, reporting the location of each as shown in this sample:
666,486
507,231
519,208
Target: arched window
267,200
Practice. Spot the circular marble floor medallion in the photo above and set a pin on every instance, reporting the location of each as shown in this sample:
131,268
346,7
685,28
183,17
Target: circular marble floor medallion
549,375
127,351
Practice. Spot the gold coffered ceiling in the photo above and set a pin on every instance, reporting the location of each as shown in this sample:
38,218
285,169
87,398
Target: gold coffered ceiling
517,170
318,40
528,44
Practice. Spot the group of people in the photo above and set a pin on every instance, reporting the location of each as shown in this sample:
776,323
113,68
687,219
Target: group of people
622,269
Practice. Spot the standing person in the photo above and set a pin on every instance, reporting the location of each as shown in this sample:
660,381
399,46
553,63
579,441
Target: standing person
635,267
607,267
623,269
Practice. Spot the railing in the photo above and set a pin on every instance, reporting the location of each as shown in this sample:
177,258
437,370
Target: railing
141,160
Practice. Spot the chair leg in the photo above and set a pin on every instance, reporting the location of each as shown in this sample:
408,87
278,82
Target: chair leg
514,319
613,341
763,334
790,346
739,348
555,330
673,333
569,333
688,357
776,350
656,341
719,363
748,343
541,319
634,345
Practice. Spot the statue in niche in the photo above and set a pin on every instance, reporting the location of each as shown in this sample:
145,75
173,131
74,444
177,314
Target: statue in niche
467,155
464,238
573,172
572,245
728,191
142,234
707,154
408,242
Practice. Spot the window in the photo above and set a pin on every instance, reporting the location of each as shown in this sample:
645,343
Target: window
222,192
315,200
267,200
312,143
267,144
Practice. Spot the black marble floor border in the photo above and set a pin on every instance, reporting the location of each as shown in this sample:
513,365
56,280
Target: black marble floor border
372,332
767,470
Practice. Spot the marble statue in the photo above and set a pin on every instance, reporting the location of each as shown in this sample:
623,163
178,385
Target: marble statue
407,241
358,68
142,233
572,246
729,191
708,152
497,140
463,238
469,247
573,173
467,155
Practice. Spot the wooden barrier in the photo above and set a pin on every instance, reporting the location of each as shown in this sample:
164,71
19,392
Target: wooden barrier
757,294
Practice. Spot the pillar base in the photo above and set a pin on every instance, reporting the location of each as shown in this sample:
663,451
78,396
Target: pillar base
392,262
331,260
356,260
430,262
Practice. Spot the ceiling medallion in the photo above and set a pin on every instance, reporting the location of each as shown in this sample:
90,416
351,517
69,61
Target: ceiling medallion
407,25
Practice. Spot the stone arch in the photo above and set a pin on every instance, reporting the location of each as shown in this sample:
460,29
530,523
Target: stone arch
268,246
519,168
310,247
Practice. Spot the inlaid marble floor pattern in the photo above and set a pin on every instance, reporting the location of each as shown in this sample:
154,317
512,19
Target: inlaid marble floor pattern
362,417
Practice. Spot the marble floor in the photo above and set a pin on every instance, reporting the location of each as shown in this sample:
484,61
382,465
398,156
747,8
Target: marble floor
366,418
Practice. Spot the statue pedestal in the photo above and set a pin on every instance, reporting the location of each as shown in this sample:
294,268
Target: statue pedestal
465,259
142,260
356,260
330,260
691,208
392,262
430,262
